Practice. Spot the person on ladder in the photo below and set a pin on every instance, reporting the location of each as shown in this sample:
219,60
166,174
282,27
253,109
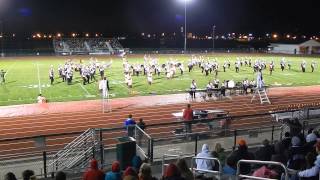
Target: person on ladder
260,83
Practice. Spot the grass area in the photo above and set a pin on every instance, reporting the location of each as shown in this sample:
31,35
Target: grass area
26,76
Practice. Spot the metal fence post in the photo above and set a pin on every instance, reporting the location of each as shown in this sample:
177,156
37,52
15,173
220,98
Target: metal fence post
272,132
44,156
235,139
196,145
151,150
101,148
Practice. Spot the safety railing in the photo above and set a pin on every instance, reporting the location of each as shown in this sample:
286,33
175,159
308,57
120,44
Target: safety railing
239,175
144,143
171,157
71,154
216,173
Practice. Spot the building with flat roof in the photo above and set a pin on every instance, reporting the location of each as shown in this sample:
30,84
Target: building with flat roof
307,47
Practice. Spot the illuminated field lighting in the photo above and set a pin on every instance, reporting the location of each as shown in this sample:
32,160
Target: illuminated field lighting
50,36
97,35
162,34
38,35
275,36
142,34
13,35
58,35
87,34
288,36
73,34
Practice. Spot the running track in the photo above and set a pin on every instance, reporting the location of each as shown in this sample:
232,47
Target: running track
56,118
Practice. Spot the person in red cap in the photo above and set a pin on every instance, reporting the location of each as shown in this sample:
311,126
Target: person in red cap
172,173
93,173
115,173
242,153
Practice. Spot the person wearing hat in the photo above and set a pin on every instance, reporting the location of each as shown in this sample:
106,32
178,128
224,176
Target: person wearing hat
204,164
296,154
242,153
115,173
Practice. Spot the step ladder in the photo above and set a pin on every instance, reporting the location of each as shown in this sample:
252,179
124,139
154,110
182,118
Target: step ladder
261,92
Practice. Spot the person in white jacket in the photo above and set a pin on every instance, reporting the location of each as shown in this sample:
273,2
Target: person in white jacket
205,164
313,171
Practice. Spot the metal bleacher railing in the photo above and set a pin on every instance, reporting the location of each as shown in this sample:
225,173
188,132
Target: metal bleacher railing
17,154
240,176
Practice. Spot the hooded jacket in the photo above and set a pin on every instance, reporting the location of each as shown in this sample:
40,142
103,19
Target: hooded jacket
115,173
204,163
93,173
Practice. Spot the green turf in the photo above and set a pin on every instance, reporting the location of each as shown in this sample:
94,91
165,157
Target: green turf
22,78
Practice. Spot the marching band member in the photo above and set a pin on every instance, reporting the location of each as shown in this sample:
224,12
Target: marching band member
245,86
129,81
303,66
149,78
259,79
216,83
193,88
313,65
271,67
209,89
51,74
282,63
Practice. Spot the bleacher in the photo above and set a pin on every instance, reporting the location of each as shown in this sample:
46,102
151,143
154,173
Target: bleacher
74,46
155,148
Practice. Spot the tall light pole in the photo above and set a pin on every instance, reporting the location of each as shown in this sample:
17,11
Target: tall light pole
185,26
2,38
213,36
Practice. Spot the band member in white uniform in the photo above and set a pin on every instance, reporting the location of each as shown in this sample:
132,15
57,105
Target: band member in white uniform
51,75
149,78
103,87
259,79
303,66
129,81
193,88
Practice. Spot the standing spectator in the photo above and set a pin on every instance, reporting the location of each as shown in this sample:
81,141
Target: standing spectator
184,169
136,163
188,117
296,154
27,174
264,153
313,172
145,172
129,125
204,164
61,175
93,173
115,173
287,140
130,174
10,176
142,126
242,153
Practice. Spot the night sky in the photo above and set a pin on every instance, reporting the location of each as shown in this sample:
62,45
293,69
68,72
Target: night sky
118,17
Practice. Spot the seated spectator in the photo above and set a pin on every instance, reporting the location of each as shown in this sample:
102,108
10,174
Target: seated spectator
27,174
230,167
93,173
115,173
219,153
312,172
279,150
145,172
61,175
128,124
204,164
130,174
265,172
286,141
264,153
172,173
184,170
136,163
10,176
296,154
242,153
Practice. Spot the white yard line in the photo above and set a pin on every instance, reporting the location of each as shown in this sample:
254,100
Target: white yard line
85,90
10,67
39,83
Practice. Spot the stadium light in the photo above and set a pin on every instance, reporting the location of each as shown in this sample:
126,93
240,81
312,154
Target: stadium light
87,34
185,23
59,35
73,34
275,36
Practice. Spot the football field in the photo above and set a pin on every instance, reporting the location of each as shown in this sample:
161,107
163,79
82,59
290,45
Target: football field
26,77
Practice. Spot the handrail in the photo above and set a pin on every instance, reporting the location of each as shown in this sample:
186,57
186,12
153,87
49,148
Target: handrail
219,172
171,155
238,175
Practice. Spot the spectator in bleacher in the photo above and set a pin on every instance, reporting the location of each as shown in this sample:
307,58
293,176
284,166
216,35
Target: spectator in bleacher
145,172
27,174
280,153
242,153
313,172
136,163
172,173
312,136
296,154
115,173
129,125
142,126
187,118
10,176
287,140
219,153
264,153
130,174
230,167
204,164
61,176
93,173
184,169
